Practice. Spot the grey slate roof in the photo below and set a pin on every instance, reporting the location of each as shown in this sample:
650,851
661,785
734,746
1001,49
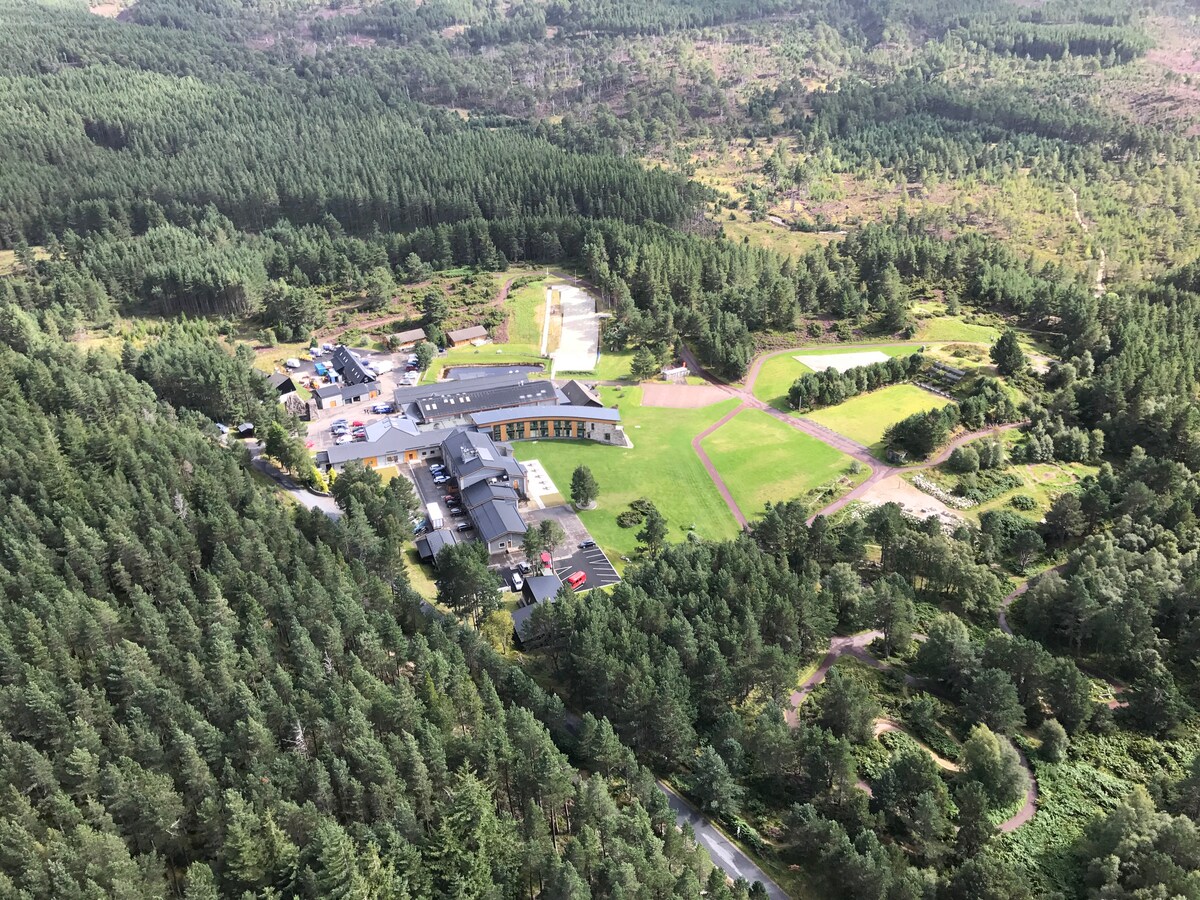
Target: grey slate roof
538,589
429,544
470,397
472,456
482,492
497,519
351,369
579,394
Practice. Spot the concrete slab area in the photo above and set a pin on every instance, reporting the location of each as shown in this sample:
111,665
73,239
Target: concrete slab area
579,346
842,361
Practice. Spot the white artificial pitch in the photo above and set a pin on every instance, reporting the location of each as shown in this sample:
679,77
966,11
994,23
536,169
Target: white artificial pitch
842,361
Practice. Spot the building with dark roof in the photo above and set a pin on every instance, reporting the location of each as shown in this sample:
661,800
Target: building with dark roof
485,492
579,394
499,524
472,457
429,545
538,589
350,367
466,335
470,397
283,384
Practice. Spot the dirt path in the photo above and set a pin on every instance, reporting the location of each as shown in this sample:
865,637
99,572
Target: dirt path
877,470
855,645
722,488
1102,268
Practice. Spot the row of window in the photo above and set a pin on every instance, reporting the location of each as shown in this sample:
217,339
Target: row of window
538,428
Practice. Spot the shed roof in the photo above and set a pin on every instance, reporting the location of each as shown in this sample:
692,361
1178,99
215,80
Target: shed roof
474,333
497,519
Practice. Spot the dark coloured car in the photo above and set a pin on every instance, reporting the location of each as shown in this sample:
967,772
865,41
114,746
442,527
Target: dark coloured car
587,545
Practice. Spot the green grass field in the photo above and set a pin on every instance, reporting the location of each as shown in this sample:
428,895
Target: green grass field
778,372
661,466
526,308
866,417
953,328
761,459
613,366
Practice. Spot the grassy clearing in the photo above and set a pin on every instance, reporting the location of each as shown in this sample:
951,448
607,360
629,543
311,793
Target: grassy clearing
954,328
778,372
661,466
1043,482
420,575
866,417
526,307
762,459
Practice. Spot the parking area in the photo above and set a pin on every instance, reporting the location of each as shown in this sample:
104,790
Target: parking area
569,558
593,563
428,492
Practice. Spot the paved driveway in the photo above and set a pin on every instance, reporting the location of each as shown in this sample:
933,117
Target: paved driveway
722,850
580,342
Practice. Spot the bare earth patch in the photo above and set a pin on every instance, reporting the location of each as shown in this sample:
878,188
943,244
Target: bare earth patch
106,10
682,396
895,489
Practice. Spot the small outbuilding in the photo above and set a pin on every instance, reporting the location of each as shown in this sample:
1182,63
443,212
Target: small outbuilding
464,336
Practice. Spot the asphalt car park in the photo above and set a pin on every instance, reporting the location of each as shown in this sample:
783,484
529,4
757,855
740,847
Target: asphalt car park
592,563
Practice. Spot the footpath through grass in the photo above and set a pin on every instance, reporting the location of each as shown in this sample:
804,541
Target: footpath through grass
761,459
866,417
778,372
661,467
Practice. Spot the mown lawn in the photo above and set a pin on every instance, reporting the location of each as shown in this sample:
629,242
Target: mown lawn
953,328
661,467
611,366
866,417
778,372
761,459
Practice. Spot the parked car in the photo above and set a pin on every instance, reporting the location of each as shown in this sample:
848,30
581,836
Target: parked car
339,422
457,513
292,363
359,424
383,408
576,580
466,526
343,439
440,480
524,567
587,545
517,581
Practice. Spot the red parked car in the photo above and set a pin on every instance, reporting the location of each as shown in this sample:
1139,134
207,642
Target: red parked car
576,580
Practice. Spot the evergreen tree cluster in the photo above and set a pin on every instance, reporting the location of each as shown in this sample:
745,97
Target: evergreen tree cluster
208,693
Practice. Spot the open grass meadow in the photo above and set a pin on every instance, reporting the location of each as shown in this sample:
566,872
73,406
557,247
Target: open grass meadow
661,466
954,328
526,308
866,417
763,460
778,372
